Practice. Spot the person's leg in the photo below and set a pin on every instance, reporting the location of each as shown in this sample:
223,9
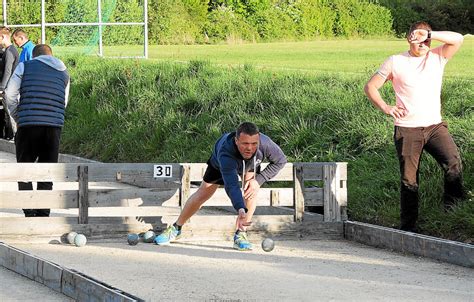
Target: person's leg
194,203
2,123
48,153
409,145
8,126
241,241
441,146
25,153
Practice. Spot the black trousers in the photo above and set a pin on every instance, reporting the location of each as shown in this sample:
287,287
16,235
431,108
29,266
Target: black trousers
410,143
6,130
41,144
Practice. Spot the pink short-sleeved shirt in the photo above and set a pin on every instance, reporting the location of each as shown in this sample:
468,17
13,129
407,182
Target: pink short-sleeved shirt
417,85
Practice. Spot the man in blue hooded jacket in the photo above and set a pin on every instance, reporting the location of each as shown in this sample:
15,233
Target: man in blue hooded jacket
20,37
237,153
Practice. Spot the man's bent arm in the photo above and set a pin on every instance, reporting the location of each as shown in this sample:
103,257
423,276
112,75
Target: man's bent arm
277,160
452,42
372,91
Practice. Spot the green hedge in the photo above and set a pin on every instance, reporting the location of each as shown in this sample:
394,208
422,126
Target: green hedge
198,21
454,15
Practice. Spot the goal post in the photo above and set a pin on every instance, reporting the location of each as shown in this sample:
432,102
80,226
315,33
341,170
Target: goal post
109,28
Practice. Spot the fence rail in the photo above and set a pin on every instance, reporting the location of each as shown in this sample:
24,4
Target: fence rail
136,191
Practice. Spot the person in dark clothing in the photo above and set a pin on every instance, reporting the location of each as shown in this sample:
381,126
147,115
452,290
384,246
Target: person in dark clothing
2,110
235,154
10,61
36,97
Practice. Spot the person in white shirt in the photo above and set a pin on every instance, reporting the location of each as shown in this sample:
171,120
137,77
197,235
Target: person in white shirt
416,77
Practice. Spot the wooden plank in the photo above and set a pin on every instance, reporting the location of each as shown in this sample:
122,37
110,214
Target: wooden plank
313,196
198,169
83,194
229,220
68,199
40,199
298,189
341,180
342,170
133,197
274,198
59,226
332,210
137,174
204,227
13,172
185,189
282,228
312,171
220,197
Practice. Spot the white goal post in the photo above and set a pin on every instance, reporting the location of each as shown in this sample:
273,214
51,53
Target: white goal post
99,24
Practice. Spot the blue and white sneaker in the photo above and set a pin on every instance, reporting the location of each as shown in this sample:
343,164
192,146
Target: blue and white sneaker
168,235
241,242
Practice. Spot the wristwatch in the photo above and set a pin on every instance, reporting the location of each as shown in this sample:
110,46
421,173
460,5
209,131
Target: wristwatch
429,35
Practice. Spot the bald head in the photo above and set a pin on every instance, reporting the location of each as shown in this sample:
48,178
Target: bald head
42,50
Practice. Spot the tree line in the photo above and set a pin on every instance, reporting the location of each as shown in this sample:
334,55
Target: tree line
216,21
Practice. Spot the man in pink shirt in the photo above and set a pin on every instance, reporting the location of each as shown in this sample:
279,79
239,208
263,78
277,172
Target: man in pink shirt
416,77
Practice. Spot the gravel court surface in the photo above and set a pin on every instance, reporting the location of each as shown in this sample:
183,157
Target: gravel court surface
14,287
213,271
294,271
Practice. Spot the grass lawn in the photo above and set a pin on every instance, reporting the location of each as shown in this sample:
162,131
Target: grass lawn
330,56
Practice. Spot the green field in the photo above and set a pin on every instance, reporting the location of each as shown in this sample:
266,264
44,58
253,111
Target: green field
169,110
327,56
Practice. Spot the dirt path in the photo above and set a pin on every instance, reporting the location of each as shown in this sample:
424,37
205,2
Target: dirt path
294,271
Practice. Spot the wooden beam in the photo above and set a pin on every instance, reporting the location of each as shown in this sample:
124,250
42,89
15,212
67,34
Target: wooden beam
137,174
68,199
185,189
220,197
83,197
298,188
198,169
13,172
332,210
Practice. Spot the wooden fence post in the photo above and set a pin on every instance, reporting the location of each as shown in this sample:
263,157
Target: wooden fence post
185,188
341,183
332,210
274,198
83,194
298,197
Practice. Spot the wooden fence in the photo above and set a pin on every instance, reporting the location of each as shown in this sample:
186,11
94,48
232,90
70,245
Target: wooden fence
107,199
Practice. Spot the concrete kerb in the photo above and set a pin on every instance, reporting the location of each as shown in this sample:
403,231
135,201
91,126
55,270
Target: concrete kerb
440,249
71,283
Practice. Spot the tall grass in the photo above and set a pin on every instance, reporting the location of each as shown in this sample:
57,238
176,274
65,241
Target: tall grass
138,111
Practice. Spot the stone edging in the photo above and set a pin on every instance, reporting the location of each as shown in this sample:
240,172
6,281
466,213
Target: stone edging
440,249
71,283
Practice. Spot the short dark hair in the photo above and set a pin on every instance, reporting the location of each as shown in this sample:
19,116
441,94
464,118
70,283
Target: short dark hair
419,25
247,128
20,32
42,49
5,31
